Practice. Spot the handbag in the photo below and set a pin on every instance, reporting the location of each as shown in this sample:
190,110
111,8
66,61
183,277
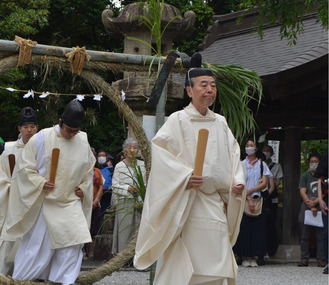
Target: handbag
258,202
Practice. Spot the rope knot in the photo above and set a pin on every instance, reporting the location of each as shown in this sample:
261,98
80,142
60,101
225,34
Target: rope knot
25,50
77,58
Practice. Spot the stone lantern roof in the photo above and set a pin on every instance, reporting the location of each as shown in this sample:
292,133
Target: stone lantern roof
127,21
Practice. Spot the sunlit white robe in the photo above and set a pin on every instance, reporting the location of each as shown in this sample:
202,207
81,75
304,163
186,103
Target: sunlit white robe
7,247
67,222
191,232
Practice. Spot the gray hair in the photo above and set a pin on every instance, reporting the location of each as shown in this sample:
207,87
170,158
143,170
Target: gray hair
128,142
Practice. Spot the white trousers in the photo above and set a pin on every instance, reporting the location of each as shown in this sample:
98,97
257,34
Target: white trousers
36,260
5,250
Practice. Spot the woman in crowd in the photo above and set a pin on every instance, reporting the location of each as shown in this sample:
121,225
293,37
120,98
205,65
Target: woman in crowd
125,195
251,242
105,166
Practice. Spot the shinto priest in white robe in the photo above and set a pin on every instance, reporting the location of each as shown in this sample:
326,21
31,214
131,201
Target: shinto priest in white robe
67,217
6,247
191,232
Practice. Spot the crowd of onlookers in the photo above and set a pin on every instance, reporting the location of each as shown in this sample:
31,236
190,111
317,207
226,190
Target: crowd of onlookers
261,229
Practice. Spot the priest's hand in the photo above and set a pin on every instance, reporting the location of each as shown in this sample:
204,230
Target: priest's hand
237,189
194,181
78,192
48,186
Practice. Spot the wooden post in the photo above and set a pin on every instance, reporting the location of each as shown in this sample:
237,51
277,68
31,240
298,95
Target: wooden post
292,200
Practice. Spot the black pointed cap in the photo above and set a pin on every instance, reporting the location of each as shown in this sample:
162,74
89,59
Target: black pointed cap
73,114
196,70
27,116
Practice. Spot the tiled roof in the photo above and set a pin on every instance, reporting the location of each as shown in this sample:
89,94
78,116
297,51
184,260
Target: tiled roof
269,55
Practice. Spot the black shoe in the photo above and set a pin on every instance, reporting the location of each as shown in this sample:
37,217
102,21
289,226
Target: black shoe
260,261
303,263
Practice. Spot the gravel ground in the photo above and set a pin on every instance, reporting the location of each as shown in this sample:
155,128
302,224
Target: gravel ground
279,274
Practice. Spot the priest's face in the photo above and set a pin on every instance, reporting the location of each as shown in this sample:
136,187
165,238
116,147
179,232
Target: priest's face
66,131
27,131
203,93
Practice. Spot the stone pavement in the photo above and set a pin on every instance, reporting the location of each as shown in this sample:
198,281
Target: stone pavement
275,272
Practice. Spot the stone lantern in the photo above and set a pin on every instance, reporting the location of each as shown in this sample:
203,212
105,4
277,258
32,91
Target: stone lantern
137,85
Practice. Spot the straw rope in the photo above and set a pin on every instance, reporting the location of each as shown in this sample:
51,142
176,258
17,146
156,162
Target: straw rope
77,58
97,82
25,50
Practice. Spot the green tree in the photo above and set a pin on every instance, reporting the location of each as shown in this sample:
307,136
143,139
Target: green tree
289,13
203,19
23,18
78,22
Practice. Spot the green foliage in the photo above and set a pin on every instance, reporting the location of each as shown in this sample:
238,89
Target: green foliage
289,13
110,130
152,19
10,104
307,147
23,18
237,86
203,13
78,22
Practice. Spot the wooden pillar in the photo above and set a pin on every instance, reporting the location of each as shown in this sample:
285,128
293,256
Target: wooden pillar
291,167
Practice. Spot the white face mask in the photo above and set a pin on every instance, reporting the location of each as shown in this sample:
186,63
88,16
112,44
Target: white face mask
267,154
250,150
101,160
313,166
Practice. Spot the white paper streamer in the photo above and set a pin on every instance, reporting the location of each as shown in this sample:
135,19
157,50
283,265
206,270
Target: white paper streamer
28,94
80,97
262,138
11,89
97,97
123,95
44,94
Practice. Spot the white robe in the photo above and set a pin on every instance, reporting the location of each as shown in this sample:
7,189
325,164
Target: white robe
67,222
7,248
191,232
15,148
127,217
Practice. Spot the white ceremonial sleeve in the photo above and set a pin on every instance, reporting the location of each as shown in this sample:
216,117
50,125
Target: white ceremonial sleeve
86,186
26,192
165,210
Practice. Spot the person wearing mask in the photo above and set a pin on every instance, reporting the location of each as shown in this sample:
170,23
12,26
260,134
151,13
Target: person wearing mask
106,168
308,189
27,127
271,203
96,213
191,232
251,243
53,218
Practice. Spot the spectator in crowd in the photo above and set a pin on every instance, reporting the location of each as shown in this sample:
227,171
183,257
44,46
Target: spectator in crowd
125,193
271,203
27,127
251,243
322,174
308,189
105,166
